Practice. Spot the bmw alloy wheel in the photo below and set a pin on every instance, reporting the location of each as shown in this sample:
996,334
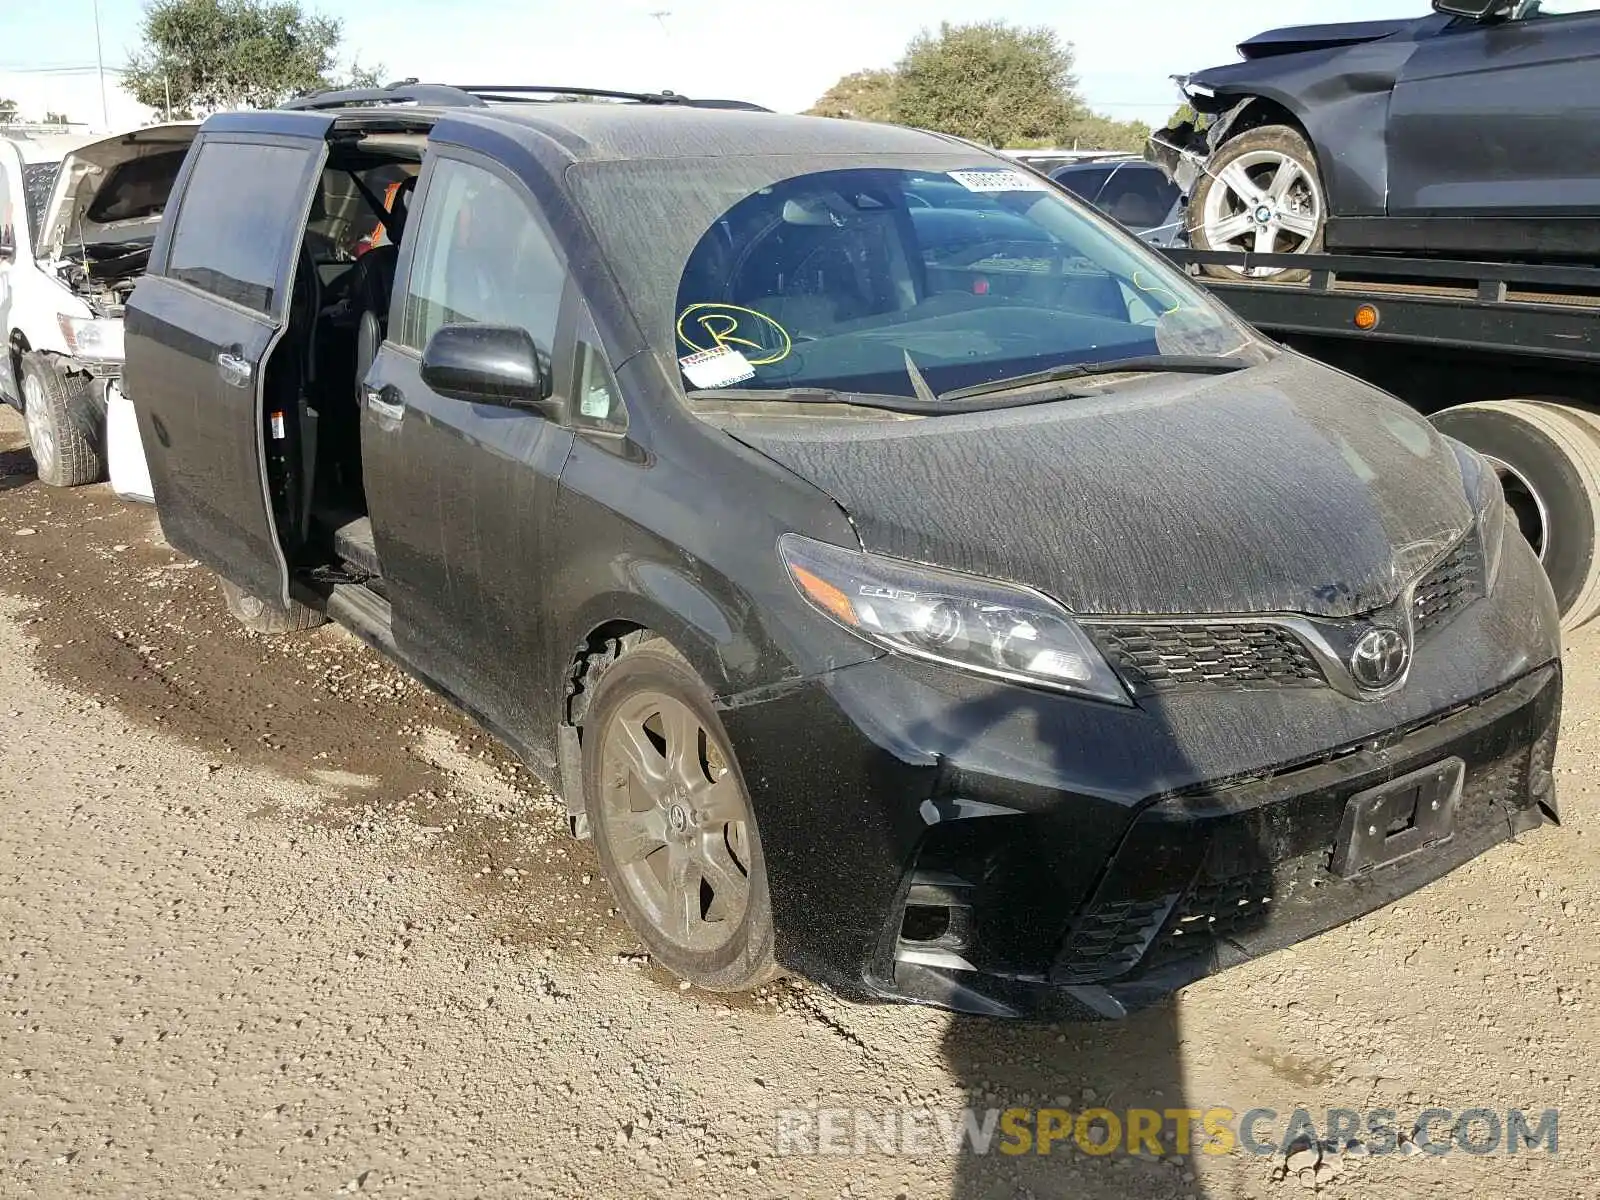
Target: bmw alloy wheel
1263,202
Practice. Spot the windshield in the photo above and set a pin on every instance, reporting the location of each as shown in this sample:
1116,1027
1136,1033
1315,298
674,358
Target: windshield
862,279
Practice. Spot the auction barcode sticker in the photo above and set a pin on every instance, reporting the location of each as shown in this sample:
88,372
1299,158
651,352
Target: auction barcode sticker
717,368
999,181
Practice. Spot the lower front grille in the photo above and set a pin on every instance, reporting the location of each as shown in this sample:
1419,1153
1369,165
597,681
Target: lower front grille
1171,658
1269,866
1110,939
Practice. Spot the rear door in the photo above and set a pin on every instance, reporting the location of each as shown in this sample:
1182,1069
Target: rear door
1501,118
201,328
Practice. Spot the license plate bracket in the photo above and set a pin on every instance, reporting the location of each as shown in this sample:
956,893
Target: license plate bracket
1387,823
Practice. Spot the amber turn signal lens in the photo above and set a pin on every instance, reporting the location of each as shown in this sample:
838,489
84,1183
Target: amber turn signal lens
1367,317
825,595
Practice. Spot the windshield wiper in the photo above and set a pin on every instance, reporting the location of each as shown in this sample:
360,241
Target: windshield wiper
1189,364
916,406
817,395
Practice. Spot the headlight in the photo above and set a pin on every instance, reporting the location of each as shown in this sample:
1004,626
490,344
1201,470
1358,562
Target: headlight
993,629
93,337
1489,507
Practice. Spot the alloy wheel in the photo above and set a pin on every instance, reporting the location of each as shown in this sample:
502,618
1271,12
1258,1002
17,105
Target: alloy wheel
41,434
1265,202
677,821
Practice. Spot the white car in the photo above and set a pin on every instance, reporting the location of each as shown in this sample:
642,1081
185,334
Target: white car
77,219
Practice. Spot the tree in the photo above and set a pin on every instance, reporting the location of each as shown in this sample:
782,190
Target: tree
862,96
991,82
994,83
1095,131
8,111
201,56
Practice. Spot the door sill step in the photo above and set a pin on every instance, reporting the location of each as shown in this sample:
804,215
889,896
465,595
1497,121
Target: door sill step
364,613
352,542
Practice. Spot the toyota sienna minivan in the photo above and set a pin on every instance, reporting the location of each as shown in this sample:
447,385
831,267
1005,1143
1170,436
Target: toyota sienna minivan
906,578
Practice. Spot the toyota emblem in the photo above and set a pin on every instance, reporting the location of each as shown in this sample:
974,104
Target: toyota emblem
1380,659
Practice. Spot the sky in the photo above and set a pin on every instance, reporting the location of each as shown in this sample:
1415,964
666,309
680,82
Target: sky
777,54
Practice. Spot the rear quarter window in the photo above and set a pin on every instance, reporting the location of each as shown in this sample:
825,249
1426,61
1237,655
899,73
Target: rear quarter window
238,219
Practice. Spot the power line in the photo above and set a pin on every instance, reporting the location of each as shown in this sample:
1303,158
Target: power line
89,68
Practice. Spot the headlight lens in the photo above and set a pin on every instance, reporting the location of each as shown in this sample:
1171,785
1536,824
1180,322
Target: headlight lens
994,629
93,337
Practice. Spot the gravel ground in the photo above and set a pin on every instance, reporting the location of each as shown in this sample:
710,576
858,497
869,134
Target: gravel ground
276,921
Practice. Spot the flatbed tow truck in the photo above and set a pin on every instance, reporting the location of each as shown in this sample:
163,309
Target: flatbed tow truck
1503,356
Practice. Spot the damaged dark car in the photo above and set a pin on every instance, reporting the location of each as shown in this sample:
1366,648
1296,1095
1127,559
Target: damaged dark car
1470,131
947,602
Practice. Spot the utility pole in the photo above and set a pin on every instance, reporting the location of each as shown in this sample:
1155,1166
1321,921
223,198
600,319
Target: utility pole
661,19
100,67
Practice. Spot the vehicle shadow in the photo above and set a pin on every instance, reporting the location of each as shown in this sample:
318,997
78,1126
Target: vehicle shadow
17,469
1100,1078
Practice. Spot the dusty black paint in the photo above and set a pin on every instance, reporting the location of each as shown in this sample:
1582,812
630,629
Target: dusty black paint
1077,499
507,538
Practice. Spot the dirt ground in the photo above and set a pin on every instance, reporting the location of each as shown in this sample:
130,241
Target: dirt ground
276,921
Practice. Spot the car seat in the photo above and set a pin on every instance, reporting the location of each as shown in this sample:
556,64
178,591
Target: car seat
372,284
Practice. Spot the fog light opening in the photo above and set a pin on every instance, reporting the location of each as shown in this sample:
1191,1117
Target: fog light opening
924,923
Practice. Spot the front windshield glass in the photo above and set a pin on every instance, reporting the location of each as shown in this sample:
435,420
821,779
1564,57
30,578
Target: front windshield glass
974,273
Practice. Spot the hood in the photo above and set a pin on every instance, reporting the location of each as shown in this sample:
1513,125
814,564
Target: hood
1286,488
115,189
1320,37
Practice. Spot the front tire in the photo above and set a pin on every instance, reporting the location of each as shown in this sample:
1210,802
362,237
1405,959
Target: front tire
1261,193
1548,460
267,616
53,407
672,821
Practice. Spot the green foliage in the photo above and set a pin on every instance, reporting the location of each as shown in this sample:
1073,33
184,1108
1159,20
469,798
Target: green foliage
8,111
206,55
861,96
991,82
361,77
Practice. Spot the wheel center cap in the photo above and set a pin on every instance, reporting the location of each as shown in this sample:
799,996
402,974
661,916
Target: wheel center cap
678,818
1264,215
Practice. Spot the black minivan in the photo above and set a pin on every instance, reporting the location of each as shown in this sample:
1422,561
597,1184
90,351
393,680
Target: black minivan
906,577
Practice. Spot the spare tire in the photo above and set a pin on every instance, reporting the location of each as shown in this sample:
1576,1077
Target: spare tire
1548,458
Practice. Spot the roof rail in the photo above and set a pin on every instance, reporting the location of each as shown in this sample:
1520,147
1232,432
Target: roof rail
441,95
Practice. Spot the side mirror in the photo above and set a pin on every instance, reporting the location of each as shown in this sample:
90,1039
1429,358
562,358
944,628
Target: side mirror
1475,10
489,364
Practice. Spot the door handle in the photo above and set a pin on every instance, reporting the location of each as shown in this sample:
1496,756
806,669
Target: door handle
386,402
235,371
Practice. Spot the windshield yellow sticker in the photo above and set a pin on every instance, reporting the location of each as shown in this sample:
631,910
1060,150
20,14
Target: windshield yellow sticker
716,326
1157,291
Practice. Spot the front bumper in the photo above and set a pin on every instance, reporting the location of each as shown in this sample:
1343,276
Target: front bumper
976,846
1209,880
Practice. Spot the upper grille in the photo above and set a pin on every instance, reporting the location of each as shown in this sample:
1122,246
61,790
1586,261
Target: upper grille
1452,585
1171,658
